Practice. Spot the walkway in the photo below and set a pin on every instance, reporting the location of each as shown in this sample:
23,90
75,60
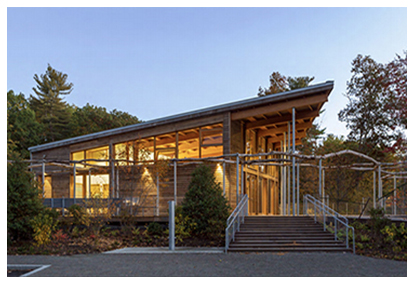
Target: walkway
219,264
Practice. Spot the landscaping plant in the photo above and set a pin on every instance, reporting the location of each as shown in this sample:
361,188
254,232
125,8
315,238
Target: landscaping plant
204,204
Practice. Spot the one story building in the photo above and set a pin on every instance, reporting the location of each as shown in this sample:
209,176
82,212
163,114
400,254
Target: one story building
106,164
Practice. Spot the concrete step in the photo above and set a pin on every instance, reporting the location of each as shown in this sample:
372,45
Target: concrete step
281,234
291,249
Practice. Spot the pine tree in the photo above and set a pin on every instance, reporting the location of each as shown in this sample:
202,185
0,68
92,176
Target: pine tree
204,203
51,110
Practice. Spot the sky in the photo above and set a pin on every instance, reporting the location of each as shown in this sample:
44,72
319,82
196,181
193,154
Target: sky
155,62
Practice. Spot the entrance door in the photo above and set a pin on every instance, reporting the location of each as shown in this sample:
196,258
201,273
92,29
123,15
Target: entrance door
263,201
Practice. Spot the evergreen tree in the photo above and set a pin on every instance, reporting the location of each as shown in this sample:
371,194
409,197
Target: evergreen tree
22,128
51,110
204,203
23,199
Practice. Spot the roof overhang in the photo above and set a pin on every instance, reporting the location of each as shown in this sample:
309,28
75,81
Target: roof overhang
271,107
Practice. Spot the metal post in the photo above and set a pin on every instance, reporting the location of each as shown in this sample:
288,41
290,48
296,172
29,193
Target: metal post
319,178
171,225
288,170
112,176
288,191
224,179
158,196
63,206
394,195
237,179
242,179
74,182
323,186
298,189
293,161
43,179
374,189
89,182
118,181
175,181
283,175
380,186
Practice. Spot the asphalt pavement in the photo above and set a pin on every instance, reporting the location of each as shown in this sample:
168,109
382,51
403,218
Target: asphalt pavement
213,263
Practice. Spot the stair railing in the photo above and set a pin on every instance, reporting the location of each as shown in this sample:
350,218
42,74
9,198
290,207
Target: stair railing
321,212
236,218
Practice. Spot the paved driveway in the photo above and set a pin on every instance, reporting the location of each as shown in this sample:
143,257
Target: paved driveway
219,264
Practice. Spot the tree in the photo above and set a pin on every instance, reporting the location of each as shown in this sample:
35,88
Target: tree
376,111
22,128
91,119
204,203
50,109
23,199
279,83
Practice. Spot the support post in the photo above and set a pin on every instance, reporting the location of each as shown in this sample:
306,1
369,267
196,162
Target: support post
224,178
394,195
298,189
380,185
158,196
63,206
171,225
319,178
89,183
323,186
175,181
74,182
293,161
43,179
288,171
374,189
112,176
237,178
242,179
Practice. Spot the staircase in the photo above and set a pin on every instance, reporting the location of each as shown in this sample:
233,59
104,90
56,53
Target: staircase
283,234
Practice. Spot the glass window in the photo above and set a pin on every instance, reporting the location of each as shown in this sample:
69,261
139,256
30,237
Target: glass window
79,155
124,151
101,153
100,186
188,143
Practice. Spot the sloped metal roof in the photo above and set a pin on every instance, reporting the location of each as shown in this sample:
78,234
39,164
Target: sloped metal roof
213,110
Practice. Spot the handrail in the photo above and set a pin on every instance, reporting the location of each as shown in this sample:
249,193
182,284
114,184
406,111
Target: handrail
238,215
329,211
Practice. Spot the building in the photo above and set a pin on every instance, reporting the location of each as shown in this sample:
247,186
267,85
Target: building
104,164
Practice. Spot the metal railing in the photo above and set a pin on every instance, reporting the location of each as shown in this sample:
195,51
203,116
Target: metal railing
322,213
236,218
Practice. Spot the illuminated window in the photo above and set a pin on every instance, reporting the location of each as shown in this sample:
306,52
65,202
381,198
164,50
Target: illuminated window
124,151
188,146
101,153
77,156
211,140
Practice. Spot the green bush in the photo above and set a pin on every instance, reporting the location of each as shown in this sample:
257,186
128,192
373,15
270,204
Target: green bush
154,229
377,222
204,204
23,200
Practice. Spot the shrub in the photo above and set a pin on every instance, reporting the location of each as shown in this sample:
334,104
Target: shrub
79,214
154,229
43,224
23,200
204,204
378,221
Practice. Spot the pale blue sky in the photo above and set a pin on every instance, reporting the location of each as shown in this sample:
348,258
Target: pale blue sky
154,62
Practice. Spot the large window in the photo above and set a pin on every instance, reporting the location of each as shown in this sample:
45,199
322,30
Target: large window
188,146
211,140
